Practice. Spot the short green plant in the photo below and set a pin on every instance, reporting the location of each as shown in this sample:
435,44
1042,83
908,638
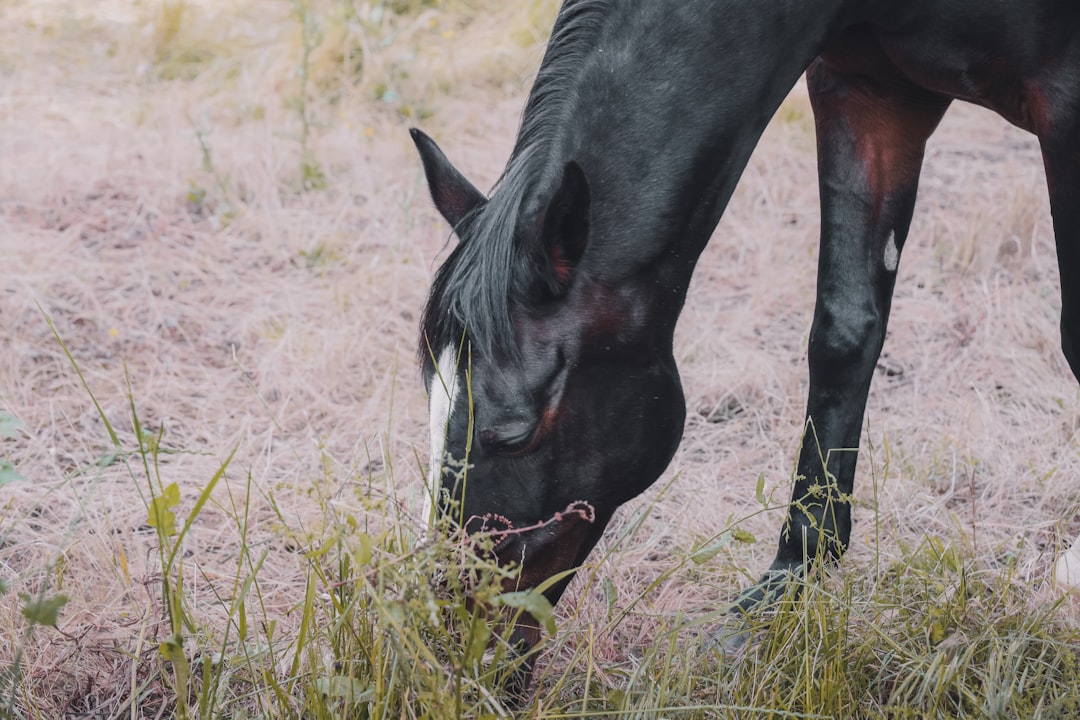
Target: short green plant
387,625
312,176
198,199
10,428
175,54
40,609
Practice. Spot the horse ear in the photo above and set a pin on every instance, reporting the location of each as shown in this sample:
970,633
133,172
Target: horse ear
454,196
566,226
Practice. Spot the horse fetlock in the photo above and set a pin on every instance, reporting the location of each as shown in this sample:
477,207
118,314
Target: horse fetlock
783,579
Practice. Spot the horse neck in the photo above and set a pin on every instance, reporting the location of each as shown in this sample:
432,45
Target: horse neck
666,109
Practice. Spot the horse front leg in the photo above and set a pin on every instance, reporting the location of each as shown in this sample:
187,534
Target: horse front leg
1060,140
871,137
1061,158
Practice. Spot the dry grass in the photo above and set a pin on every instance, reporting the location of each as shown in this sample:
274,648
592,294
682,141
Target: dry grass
152,206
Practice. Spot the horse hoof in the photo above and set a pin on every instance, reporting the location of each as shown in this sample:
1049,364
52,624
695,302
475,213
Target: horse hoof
516,686
730,640
763,597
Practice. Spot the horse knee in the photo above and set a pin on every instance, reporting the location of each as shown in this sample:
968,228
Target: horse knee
844,342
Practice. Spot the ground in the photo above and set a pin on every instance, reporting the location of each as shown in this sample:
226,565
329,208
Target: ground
184,241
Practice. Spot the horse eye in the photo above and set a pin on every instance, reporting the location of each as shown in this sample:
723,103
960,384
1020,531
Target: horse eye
509,438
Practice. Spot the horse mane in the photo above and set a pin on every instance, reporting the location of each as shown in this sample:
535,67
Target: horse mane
494,263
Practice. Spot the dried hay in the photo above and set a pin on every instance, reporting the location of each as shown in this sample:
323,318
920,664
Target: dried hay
246,314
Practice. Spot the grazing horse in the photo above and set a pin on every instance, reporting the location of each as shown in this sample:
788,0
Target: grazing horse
546,342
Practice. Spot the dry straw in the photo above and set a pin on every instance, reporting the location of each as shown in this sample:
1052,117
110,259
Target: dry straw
233,245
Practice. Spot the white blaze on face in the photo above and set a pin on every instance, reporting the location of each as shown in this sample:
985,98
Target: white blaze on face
442,397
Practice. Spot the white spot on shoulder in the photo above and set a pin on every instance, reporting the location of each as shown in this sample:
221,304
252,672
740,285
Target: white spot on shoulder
441,398
892,254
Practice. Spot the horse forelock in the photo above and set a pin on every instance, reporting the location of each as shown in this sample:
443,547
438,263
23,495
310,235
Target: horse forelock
471,293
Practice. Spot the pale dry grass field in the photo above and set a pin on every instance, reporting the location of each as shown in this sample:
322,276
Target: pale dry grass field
153,208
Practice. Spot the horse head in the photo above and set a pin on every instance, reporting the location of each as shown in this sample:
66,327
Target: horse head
554,395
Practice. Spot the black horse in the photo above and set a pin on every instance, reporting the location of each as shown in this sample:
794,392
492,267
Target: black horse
547,337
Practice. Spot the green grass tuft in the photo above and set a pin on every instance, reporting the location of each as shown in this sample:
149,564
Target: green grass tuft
386,625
